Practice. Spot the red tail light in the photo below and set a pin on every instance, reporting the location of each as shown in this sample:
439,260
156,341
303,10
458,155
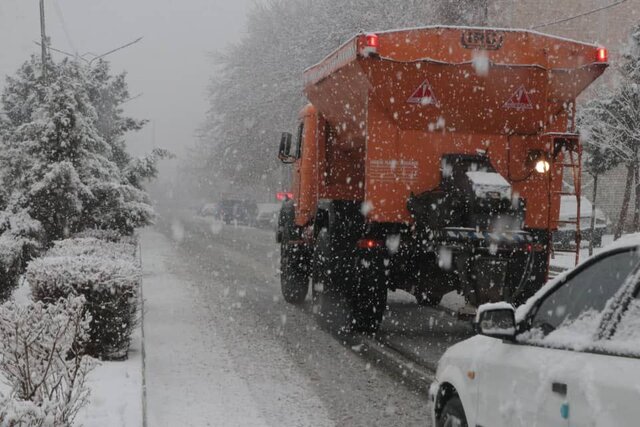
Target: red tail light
283,195
370,244
373,41
602,55
535,247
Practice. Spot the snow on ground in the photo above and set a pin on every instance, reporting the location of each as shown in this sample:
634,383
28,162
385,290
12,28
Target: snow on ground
116,387
116,391
191,378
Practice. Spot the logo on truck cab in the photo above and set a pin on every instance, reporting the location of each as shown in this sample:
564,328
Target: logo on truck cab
482,39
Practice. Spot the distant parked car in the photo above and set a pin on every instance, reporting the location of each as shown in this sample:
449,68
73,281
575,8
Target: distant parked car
566,234
569,356
210,209
238,211
268,215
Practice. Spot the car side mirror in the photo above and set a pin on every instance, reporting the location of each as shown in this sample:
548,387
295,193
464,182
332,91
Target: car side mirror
284,153
497,320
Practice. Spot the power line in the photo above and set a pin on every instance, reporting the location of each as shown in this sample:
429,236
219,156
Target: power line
115,50
95,57
64,25
570,18
73,55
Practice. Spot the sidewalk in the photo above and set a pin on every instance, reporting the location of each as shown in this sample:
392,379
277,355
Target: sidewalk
190,379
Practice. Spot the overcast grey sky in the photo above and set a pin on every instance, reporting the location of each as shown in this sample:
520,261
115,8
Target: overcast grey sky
170,66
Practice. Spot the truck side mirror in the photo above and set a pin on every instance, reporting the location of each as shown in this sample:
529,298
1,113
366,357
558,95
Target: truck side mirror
284,153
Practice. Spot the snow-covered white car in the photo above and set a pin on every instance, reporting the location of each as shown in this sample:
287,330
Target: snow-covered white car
569,356
566,234
267,216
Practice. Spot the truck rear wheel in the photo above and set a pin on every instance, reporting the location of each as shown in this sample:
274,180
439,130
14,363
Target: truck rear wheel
294,276
369,299
331,306
427,298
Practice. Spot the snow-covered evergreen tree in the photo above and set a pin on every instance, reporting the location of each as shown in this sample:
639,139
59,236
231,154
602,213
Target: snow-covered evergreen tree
62,156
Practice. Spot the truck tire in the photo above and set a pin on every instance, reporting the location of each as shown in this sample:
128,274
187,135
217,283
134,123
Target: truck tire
294,278
427,298
331,307
597,240
369,301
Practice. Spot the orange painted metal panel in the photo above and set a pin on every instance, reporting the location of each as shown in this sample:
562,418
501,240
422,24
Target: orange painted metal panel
433,91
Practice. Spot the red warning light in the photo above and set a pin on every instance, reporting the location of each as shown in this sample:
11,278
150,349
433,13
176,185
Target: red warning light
373,41
369,243
283,195
602,55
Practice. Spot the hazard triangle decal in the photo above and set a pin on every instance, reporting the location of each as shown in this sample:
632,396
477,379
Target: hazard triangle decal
519,100
424,95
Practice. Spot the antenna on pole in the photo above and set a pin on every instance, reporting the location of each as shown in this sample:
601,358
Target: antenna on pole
43,37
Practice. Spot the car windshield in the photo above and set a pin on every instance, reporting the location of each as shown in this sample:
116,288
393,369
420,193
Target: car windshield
573,311
626,337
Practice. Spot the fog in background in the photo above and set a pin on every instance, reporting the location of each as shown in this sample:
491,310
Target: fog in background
171,66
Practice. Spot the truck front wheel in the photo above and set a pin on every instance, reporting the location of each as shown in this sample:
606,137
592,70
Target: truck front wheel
294,276
331,304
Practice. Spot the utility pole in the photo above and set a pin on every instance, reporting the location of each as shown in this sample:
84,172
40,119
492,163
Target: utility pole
43,44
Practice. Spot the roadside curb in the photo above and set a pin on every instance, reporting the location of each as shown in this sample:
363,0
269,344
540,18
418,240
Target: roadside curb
412,373
142,347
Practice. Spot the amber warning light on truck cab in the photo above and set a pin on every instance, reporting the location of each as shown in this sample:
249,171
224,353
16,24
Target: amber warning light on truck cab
602,55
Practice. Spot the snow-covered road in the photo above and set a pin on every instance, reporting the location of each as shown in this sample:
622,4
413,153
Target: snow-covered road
223,349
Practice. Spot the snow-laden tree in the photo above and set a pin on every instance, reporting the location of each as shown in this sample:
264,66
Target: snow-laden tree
63,155
462,12
612,125
108,93
257,89
599,146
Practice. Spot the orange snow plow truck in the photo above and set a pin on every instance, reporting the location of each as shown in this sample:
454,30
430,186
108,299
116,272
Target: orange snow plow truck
431,160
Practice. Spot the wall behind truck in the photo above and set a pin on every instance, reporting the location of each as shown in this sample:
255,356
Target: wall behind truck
611,28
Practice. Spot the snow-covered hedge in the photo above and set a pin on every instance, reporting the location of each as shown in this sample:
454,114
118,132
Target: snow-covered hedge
107,275
40,362
20,240
25,413
90,246
107,235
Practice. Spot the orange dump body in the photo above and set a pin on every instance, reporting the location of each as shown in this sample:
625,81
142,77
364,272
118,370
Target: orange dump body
383,116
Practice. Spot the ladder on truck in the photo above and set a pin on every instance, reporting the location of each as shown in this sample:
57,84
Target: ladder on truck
568,150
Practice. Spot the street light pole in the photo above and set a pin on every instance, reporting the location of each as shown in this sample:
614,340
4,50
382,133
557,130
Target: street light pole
43,37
